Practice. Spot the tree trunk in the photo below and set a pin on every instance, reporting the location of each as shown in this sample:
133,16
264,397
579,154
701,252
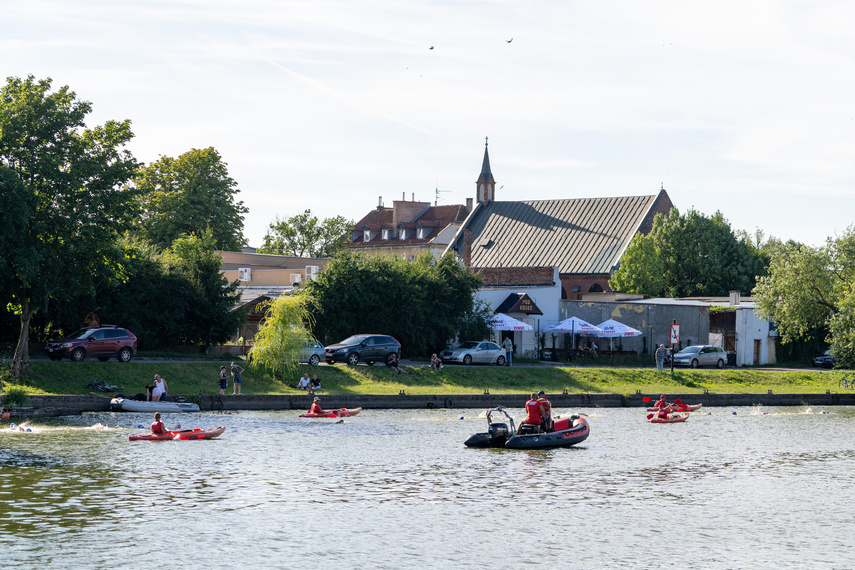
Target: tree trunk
21,361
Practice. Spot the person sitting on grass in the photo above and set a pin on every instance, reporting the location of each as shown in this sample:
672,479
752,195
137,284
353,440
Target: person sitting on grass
394,363
435,363
316,384
304,382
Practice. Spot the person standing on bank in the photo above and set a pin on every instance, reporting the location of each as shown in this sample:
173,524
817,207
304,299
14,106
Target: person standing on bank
509,350
236,372
224,380
660,357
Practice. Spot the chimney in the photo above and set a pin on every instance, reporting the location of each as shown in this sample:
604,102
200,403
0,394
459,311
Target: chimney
469,204
735,299
467,248
380,203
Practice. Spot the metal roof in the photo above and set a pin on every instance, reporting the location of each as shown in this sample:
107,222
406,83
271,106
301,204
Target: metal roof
581,235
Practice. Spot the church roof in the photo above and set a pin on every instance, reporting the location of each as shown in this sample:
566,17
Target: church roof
579,236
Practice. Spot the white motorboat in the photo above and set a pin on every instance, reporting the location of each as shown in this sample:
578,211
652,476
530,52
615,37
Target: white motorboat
126,405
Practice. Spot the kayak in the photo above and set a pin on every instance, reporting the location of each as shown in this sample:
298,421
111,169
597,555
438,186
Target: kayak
197,433
672,420
340,413
126,405
566,432
680,408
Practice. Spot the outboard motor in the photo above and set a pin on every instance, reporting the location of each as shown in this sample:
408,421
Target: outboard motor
498,433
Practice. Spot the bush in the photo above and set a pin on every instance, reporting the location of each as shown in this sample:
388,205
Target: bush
14,396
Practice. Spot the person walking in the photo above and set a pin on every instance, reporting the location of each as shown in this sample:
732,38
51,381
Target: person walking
660,357
509,350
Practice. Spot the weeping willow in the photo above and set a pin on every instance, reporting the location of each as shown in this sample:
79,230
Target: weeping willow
282,335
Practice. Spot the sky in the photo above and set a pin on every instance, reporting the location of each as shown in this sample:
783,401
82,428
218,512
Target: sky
743,107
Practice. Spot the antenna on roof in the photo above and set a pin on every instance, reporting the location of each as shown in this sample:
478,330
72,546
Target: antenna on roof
438,191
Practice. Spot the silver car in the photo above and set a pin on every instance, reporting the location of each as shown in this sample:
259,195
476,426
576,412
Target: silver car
701,355
311,353
475,352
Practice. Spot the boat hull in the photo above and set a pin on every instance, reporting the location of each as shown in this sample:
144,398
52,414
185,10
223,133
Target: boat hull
187,434
125,405
340,413
558,438
680,408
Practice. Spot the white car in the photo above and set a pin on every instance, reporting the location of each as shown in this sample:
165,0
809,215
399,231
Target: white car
701,355
475,352
311,353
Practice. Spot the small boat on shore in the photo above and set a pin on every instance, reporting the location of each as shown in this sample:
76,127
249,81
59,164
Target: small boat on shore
126,405
186,434
339,413
566,432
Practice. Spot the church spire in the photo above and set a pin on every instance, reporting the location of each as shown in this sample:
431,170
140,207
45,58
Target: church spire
485,191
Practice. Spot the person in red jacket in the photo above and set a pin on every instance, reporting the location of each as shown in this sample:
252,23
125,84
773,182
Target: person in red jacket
158,427
316,407
545,411
533,413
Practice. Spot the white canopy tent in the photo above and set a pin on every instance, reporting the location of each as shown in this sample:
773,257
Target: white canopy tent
502,322
613,329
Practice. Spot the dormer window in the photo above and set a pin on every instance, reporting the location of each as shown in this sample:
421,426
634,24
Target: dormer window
366,236
405,233
422,233
387,234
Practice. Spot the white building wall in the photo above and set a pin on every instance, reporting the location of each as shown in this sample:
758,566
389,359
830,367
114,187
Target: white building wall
547,299
750,327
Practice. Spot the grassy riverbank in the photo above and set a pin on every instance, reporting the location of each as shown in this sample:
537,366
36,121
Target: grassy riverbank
194,377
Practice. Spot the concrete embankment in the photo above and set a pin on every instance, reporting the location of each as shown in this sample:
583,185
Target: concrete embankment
47,406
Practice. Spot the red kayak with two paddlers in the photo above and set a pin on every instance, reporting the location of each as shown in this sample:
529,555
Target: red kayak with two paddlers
186,434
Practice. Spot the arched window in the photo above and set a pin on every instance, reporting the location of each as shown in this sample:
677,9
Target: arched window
595,288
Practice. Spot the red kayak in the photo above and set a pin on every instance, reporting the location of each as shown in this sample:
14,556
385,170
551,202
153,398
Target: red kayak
197,433
680,408
340,413
671,420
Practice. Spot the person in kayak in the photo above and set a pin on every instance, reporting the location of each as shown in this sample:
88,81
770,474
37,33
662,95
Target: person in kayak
316,407
158,427
533,413
545,411
664,412
661,403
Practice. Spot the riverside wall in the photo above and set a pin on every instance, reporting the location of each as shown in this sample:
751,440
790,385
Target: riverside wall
47,406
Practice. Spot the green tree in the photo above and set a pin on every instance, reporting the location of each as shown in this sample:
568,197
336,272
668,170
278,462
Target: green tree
810,294
689,255
282,334
188,195
304,235
210,316
64,183
424,303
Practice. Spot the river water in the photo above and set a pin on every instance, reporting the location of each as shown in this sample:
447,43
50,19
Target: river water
762,488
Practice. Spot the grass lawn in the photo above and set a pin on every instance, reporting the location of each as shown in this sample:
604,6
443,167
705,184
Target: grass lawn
189,378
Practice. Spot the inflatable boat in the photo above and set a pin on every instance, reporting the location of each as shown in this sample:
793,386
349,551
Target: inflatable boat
197,433
126,405
566,432
340,413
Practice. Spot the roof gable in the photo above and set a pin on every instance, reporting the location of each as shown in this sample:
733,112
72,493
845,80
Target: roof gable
582,235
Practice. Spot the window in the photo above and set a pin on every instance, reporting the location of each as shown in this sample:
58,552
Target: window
386,234
366,236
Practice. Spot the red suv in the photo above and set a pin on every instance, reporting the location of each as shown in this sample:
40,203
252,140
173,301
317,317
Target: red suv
104,341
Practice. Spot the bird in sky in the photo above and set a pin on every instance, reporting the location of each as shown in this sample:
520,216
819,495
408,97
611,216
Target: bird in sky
431,47
510,40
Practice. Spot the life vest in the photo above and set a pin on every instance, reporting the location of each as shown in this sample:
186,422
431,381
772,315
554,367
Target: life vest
316,408
532,408
157,427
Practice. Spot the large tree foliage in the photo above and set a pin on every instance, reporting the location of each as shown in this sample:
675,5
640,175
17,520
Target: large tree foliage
64,185
304,235
689,255
810,293
187,195
423,303
166,298
283,334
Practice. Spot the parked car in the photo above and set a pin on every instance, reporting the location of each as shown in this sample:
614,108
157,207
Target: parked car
368,348
701,355
104,342
471,352
311,353
825,360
